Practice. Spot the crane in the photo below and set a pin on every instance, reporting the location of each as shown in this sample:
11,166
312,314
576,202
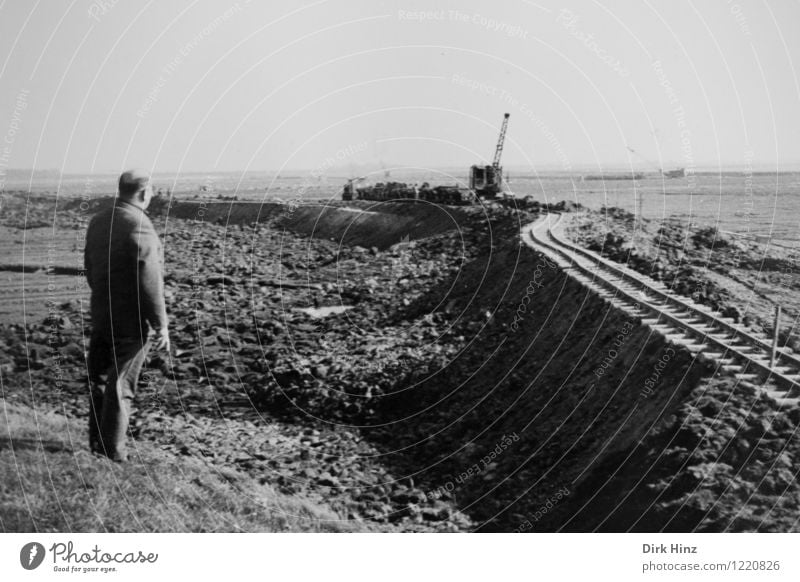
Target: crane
500,141
676,173
633,151
487,181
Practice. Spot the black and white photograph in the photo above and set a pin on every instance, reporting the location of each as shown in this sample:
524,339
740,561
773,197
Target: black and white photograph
445,267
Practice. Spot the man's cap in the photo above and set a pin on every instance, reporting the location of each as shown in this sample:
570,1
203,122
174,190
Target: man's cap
132,181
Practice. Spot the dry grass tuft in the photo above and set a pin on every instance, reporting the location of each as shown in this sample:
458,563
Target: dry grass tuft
49,482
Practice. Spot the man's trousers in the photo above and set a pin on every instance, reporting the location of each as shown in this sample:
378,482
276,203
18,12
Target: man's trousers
114,368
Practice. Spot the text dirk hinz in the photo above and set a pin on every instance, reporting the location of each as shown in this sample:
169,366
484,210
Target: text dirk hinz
673,549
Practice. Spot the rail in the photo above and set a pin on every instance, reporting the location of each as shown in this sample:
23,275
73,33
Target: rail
742,353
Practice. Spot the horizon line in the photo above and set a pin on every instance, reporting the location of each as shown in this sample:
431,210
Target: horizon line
549,168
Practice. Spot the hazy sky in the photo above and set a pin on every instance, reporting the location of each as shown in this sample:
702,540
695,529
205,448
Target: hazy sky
201,85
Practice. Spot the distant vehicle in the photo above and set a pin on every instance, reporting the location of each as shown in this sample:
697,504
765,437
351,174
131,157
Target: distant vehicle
677,173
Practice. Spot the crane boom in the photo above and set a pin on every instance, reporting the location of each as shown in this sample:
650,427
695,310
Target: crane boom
500,141
633,151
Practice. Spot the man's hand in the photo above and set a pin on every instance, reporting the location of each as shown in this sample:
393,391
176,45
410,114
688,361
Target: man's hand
161,339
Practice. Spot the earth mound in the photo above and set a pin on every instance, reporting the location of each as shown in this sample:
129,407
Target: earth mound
366,224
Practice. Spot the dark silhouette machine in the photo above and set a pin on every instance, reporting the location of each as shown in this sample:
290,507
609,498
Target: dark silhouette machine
487,181
349,192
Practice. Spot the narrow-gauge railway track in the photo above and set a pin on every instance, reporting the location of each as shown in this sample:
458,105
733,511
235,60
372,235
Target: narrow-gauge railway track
738,352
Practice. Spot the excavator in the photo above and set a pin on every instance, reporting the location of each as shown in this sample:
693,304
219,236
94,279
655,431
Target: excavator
487,181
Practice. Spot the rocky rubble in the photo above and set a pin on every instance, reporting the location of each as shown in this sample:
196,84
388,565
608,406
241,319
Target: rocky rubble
419,408
257,384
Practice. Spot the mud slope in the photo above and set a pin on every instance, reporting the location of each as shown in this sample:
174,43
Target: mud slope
573,383
724,460
367,224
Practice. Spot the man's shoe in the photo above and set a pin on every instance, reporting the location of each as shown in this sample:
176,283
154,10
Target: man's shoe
98,449
119,457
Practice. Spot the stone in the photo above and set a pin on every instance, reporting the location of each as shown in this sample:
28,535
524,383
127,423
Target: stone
73,350
328,480
221,280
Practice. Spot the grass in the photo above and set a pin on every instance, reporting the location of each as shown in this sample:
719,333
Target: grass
50,482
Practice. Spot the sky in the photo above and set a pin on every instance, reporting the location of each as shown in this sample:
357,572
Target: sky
352,85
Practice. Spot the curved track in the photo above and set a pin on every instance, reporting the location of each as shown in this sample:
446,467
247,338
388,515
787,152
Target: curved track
737,352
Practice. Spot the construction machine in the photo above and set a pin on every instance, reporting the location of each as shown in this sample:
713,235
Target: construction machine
487,181
348,193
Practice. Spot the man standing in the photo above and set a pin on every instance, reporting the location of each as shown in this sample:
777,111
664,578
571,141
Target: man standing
124,265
